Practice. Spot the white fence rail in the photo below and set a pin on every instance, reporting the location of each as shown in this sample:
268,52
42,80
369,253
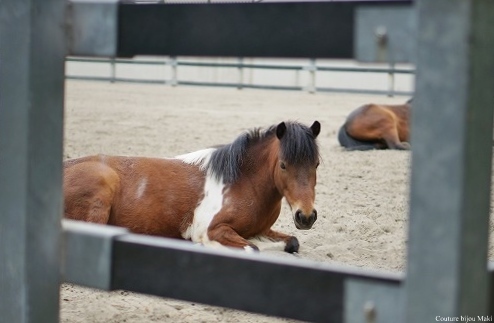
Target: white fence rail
306,75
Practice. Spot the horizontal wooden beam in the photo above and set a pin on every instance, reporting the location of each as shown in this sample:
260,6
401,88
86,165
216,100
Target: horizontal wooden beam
284,287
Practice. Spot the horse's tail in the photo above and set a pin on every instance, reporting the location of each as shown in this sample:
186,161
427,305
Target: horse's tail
351,143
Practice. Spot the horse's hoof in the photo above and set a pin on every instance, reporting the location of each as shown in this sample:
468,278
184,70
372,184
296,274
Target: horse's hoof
292,245
251,249
405,146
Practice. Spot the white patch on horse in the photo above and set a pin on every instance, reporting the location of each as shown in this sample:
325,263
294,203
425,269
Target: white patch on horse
102,158
199,158
264,243
211,202
141,188
204,213
249,249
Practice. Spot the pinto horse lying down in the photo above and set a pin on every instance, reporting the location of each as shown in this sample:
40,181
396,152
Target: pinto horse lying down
377,126
217,196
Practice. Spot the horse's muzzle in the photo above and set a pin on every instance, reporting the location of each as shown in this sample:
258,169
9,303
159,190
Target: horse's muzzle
305,221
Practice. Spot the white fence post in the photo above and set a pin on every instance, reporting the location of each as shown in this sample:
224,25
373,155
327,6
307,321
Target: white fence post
391,80
312,68
174,65
113,70
240,73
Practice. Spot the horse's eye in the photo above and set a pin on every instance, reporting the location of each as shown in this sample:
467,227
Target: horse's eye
282,165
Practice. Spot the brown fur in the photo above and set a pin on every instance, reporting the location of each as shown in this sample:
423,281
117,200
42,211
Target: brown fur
382,126
103,189
159,196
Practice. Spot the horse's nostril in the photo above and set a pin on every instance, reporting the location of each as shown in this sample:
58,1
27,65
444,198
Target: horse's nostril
314,213
298,216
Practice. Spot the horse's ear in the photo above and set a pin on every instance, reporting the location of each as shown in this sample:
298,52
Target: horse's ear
316,128
280,130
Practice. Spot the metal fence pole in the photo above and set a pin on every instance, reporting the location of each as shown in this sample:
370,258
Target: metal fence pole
174,65
452,156
391,80
312,68
113,69
240,73
32,53
253,67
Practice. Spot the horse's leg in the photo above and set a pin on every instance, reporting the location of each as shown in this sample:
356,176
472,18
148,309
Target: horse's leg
89,196
291,242
95,208
228,237
390,136
100,206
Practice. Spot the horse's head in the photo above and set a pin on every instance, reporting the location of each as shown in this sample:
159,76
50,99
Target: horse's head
295,172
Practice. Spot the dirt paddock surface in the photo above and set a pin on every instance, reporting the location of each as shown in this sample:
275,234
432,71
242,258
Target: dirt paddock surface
362,197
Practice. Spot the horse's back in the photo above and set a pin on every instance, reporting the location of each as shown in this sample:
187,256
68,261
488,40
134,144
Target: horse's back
147,195
365,123
368,117
374,125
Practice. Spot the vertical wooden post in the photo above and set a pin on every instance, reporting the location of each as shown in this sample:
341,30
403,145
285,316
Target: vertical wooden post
32,53
451,162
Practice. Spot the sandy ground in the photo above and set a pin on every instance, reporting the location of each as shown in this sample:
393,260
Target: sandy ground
362,197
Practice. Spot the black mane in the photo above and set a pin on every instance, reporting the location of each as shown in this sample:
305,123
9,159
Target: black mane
297,146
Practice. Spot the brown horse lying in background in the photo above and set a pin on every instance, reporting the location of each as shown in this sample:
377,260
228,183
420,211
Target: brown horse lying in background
377,126
218,196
